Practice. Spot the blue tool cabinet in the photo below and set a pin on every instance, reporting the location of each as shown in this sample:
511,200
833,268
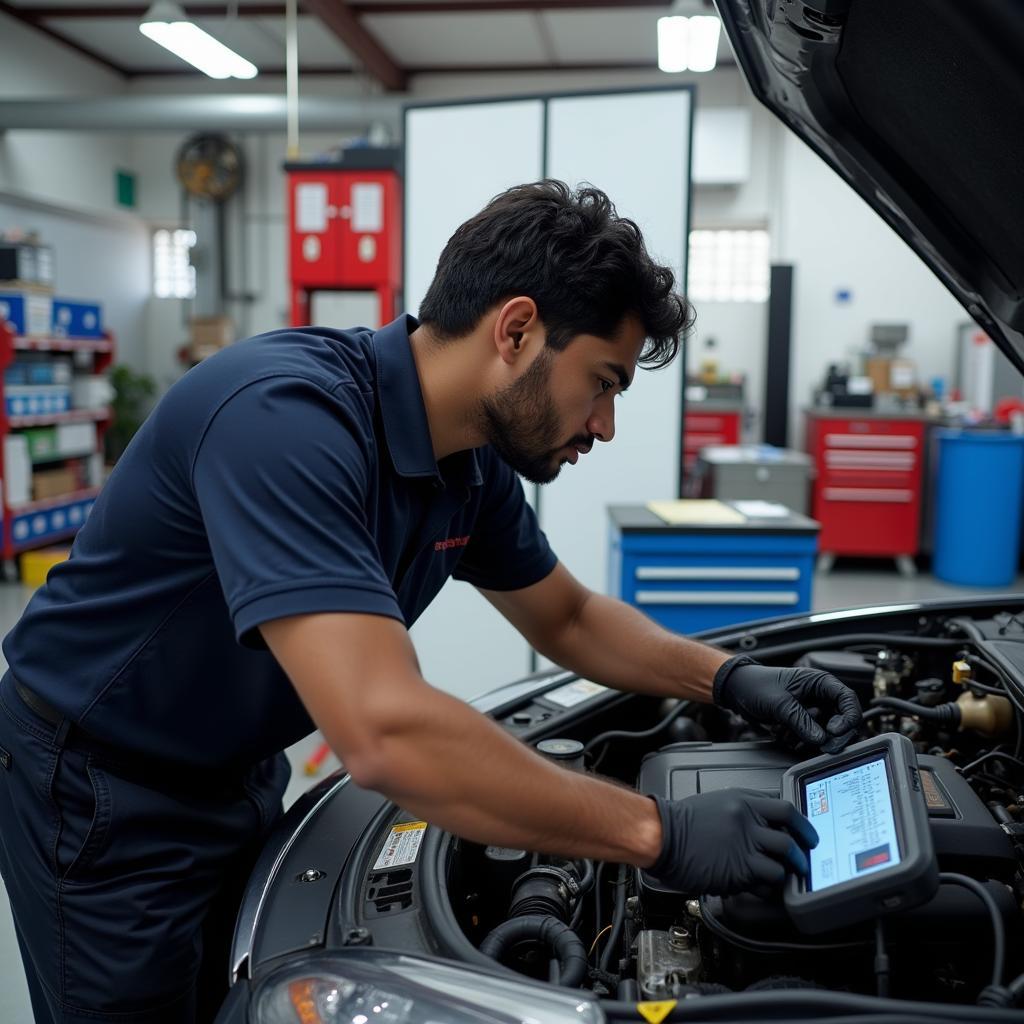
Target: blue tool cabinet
695,577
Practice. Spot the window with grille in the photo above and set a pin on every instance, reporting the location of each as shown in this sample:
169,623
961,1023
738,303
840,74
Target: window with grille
728,265
173,276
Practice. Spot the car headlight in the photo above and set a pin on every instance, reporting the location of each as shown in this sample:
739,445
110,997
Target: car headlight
366,986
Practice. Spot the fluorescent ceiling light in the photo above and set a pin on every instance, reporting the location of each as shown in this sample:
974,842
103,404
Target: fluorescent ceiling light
688,44
166,23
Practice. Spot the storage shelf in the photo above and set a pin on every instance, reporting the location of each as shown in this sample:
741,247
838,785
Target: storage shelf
36,524
64,344
51,503
50,419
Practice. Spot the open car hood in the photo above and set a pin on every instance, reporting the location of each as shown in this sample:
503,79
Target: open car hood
919,105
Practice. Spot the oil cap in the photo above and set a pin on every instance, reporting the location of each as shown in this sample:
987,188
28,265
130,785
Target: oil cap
568,753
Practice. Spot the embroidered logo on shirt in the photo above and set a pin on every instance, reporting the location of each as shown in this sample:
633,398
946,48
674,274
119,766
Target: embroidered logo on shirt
451,542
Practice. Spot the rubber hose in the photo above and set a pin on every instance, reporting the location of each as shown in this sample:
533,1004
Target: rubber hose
941,714
553,934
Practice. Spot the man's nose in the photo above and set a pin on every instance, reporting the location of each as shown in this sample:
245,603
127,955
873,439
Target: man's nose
602,422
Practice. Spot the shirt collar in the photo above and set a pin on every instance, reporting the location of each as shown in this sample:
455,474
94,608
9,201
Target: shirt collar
406,428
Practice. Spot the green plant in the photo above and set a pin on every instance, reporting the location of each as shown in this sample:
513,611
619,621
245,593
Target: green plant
132,392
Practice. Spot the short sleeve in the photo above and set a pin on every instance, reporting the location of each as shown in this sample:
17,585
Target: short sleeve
281,476
507,549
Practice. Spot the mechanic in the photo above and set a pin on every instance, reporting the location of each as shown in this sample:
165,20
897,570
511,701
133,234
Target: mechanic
250,571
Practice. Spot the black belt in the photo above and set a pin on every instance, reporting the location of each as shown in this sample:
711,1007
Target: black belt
44,710
146,770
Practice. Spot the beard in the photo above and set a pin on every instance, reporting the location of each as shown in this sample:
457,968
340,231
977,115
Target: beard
520,421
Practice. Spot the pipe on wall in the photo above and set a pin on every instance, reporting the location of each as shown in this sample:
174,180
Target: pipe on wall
199,113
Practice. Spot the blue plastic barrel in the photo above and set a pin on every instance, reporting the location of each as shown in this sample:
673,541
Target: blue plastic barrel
978,514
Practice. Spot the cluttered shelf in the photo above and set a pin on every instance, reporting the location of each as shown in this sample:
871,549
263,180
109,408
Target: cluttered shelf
56,403
63,344
56,418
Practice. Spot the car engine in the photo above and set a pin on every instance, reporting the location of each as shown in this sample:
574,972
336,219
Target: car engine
953,688
637,940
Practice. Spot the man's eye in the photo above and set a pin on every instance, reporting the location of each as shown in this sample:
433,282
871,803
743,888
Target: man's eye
606,385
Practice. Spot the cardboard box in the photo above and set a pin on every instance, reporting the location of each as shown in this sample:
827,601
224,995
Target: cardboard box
54,483
891,375
29,312
92,392
210,334
27,263
42,443
74,319
17,470
75,439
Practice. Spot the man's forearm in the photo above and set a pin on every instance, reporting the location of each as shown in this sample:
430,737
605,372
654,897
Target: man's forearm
445,762
611,642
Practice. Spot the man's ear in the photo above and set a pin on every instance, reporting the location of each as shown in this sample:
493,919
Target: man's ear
517,328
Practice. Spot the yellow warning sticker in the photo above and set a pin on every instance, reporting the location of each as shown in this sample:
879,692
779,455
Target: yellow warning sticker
402,845
655,1013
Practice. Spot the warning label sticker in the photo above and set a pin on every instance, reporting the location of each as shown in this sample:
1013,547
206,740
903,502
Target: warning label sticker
571,694
402,845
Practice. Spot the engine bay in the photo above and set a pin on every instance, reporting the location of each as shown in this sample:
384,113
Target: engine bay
953,687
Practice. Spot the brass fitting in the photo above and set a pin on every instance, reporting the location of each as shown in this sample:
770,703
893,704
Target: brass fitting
990,715
962,672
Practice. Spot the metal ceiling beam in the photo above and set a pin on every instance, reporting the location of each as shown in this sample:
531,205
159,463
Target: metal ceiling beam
434,69
197,113
39,12
22,15
362,44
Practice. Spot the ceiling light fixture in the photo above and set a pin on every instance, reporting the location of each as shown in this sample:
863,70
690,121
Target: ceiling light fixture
166,23
688,44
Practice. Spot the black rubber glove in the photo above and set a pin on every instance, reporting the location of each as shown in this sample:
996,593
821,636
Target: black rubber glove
790,699
730,840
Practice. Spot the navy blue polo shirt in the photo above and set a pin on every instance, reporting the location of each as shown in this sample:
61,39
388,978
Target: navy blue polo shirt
291,473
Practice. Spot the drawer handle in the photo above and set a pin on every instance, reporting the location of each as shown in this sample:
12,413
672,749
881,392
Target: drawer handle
723,572
890,495
870,441
871,460
772,597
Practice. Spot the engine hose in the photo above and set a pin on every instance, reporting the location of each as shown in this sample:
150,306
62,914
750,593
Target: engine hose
551,933
941,714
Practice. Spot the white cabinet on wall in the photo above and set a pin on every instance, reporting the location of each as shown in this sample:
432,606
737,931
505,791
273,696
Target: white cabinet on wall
636,147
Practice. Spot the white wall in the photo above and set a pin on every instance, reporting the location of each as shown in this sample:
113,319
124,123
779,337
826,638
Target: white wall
68,168
836,241
62,185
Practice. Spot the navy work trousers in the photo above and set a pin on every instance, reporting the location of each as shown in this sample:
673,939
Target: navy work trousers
123,885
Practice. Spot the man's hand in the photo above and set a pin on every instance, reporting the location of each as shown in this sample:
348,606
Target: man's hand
729,841
785,697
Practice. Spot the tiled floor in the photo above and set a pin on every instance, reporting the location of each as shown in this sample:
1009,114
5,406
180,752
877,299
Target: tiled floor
849,585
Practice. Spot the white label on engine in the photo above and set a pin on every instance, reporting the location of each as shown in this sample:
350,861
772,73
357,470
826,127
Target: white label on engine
402,845
571,694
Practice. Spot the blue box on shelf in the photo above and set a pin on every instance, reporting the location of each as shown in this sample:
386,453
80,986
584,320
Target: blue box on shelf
56,519
73,319
30,314
37,399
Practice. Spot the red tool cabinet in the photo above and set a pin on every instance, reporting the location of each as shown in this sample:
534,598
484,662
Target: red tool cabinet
709,423
869,479
345,236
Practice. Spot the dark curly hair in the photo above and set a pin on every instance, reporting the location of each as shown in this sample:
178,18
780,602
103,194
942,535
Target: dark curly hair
585,267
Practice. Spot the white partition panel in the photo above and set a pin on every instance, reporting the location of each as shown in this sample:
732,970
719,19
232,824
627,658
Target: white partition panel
456,159
634,146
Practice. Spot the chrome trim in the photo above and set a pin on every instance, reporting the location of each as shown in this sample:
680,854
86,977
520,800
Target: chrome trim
716,572
698,597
